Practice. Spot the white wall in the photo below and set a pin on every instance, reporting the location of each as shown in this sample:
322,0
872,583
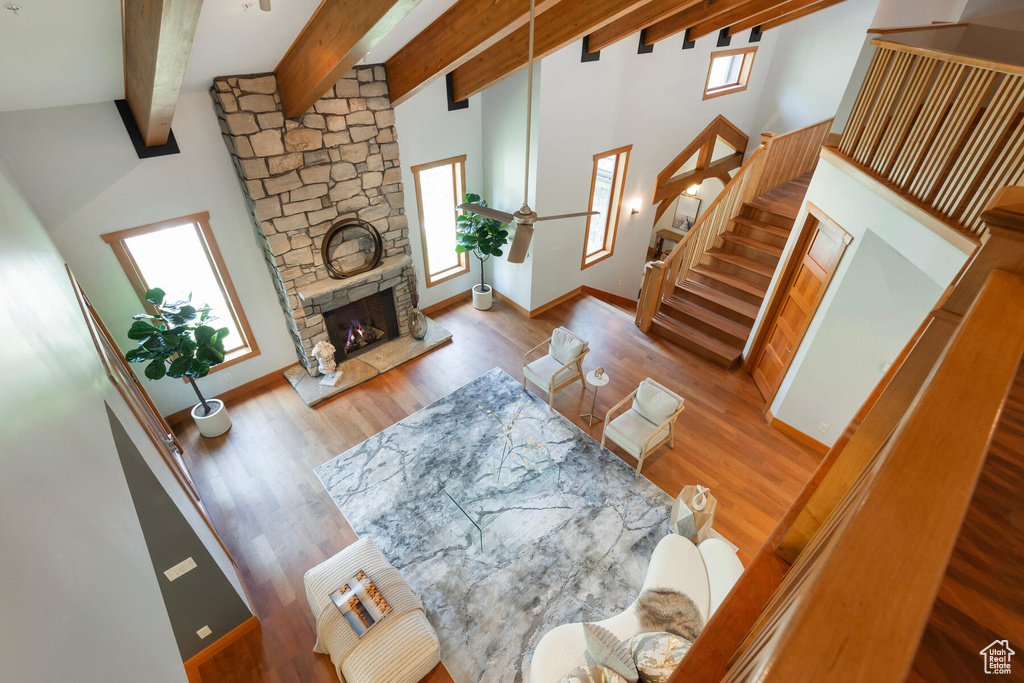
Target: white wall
891,275
504,149
80,600
83,178
893,13
427,132
1006,14
813,62
654,102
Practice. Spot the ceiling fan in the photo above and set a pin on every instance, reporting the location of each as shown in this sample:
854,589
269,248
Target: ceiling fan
525,217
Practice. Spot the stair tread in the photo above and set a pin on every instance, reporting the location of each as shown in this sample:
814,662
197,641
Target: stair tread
761,225
784,200
748,287
752,243
742,262
727,325
719,297
722,349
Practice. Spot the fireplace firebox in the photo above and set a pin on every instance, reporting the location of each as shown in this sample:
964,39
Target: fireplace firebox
361,324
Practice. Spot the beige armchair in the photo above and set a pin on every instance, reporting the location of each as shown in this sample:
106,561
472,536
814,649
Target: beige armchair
648,423
560,367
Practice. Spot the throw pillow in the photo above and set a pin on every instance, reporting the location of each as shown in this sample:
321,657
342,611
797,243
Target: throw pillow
657,654
663,609
653,403
592,674
604,649
564,347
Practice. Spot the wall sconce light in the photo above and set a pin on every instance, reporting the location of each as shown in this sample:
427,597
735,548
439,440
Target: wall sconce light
692,190
634,207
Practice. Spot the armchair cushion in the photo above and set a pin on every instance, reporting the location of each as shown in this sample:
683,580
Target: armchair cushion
605,649
654,403
541,370
565,346
631,431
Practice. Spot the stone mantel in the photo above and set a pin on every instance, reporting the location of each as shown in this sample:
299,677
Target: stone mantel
322,291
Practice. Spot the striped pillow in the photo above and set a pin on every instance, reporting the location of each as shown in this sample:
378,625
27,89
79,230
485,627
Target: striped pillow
604,649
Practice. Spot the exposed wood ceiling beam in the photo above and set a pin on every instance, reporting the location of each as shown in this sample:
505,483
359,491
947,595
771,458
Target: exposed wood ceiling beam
566,22
635,21
338,35
792,16
479,24
729,17
679,22
157,41
770,14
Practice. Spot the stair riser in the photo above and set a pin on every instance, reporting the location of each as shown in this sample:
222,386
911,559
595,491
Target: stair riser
738,272
749,252
727,289
705,326
766,217
665,332
714,307
768,238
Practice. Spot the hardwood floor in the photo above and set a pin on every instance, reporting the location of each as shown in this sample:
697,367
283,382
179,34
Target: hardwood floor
278,521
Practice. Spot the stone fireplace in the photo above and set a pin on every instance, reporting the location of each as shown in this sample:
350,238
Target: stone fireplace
301,176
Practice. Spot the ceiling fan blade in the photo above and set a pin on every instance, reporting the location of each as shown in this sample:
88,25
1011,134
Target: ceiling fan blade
568,215
489,212
520,243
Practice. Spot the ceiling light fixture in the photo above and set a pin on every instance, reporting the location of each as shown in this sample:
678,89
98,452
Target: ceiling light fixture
13,8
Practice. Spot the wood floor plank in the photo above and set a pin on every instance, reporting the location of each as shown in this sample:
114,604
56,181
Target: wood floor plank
278,521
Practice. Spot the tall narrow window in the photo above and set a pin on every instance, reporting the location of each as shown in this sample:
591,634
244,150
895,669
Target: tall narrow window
605,197
440,187
181,257
729,71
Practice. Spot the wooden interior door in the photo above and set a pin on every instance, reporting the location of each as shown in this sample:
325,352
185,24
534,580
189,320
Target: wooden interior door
822,244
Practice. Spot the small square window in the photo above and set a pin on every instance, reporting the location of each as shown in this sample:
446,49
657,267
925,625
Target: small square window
729,71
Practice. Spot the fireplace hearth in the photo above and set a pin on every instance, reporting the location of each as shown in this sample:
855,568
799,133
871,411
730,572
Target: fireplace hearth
361,324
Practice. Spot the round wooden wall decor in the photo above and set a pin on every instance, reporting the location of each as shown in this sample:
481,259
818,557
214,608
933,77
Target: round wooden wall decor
336,233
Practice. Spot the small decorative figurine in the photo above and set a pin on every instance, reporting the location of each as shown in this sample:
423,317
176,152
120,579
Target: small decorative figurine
324,353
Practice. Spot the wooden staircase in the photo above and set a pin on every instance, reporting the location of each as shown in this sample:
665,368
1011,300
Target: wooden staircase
711,310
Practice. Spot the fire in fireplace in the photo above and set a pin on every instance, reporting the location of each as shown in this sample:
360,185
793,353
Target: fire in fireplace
356,326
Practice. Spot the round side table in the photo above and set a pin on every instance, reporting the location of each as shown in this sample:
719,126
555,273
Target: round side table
597,383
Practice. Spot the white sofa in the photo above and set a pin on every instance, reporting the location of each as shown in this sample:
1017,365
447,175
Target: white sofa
705,573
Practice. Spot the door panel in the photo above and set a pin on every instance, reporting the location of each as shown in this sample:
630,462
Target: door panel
807,284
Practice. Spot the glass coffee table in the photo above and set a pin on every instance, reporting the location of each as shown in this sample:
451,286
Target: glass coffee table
478,498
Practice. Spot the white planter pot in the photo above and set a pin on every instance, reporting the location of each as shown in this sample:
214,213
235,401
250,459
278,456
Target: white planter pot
214,424
481,297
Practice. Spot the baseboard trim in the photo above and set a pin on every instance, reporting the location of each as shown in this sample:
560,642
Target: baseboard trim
192,665
434,308
554,302
240,390
795,433
609,297
518,309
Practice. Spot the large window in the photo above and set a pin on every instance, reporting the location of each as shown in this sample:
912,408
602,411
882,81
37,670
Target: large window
606,197
180,257
729,71
440,187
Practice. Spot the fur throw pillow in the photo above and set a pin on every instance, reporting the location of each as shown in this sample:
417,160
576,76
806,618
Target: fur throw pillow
663,609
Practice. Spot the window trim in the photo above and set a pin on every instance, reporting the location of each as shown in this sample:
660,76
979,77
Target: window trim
460,190
200,221
745,68
612,222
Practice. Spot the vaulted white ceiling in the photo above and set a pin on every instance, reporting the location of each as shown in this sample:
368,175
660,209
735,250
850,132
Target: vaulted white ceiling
61,52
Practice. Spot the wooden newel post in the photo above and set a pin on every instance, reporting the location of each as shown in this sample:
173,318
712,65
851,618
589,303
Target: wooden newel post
650,294
766,138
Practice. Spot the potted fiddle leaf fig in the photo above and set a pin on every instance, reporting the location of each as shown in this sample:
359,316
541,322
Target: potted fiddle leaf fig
178,342
484,237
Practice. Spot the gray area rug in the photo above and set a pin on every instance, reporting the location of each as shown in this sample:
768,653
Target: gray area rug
575,551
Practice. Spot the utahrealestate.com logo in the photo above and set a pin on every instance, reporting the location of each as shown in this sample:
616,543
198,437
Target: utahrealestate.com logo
997,657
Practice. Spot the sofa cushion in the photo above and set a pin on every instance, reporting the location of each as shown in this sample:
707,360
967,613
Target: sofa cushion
565,346
592,674
656,655
605,649
654,404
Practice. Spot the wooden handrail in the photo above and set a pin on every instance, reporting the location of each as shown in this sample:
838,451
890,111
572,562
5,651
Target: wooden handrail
941,130
791,155
953,414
